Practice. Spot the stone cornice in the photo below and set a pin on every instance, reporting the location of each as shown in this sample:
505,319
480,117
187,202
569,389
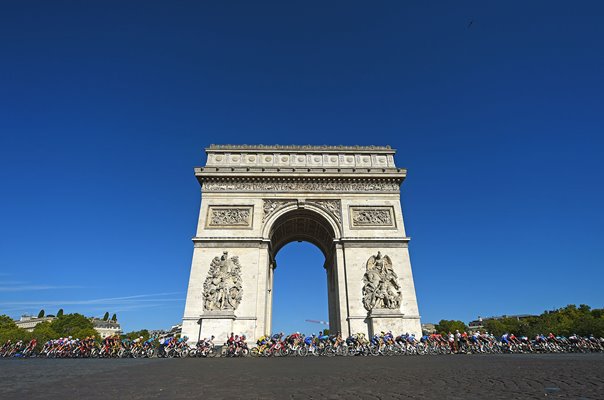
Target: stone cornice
405,239
297,148
200,239
299,173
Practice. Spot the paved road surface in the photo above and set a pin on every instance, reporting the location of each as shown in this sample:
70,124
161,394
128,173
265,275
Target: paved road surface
549,376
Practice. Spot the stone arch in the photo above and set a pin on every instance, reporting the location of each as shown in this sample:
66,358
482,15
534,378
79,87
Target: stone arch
310,224
328,217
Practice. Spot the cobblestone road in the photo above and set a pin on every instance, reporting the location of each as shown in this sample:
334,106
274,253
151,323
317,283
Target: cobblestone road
565,376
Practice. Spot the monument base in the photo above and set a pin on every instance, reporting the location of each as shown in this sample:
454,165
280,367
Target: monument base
384,320
218,324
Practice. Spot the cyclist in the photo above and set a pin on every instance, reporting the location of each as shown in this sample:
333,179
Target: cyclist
262,340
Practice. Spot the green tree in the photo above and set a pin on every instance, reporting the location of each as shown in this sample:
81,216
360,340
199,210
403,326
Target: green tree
7,322
564,321
505,325
136,334
106,316
114,318
43,332
14,334
446,326
10,331
74,325
41,314
60,312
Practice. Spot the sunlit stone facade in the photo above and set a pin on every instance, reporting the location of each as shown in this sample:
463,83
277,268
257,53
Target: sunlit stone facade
343,199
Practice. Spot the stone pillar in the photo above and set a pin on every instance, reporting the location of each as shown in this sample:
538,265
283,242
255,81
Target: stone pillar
331,295
263,292
342,306
269,299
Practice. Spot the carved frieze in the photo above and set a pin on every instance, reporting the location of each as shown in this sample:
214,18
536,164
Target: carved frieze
372,217
270,206
381,289
333,207
222,289
338,186
229,216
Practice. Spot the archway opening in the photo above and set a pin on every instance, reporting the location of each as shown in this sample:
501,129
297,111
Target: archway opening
300,301
302,279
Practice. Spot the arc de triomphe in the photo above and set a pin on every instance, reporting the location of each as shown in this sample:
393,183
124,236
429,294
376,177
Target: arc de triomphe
257,199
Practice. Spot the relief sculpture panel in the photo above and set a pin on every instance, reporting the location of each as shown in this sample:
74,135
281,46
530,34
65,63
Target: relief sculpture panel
334,207
220,217
380,284
222,289
372,217
271,206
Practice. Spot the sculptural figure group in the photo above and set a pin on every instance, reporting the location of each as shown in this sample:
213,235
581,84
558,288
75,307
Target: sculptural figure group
222,288
381,288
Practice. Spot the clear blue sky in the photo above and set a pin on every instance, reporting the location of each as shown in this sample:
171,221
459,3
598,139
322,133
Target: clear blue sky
496,109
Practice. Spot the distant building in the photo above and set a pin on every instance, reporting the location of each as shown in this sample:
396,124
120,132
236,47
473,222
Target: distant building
29,322
428,328
157,332
479,323
106,328
175,330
